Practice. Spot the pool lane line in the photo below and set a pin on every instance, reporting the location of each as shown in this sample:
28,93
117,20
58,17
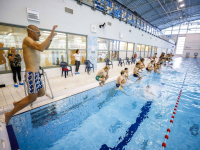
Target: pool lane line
174,112
132,129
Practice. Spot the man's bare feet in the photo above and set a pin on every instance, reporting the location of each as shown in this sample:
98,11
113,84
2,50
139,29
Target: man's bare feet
104,84
7,117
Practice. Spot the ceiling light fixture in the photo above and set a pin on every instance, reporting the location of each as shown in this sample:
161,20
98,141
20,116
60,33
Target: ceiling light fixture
182,5
180,0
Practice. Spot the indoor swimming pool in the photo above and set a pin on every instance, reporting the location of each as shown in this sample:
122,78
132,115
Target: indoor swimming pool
133,119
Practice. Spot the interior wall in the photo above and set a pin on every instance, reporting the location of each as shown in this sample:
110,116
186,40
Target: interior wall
52,12
192,45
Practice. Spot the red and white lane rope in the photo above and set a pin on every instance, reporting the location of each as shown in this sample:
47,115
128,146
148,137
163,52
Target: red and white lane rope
173,116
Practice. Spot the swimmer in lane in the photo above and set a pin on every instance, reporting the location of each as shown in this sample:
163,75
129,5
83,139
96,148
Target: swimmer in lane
141,62
136,70
150,66
126,73
102,76
156,67
120,83
148,90
31,54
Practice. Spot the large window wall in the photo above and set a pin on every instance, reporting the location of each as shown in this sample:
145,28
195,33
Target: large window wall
62,47
184,28
143,51
114,49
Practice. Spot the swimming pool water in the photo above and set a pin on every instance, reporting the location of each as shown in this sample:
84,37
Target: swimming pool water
106,118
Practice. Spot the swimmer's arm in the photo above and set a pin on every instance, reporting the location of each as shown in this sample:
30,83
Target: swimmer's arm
148,92
40,47
48,46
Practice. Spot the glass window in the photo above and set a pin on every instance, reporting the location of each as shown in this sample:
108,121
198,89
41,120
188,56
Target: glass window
130,46
72,58
114,55
143,48
113,45
102,55
198,31
192,26
183,32
12,36
76,42
175,31
123,46
58,42
102,44
146,48
180,45
122,54
184,27
52,57
138,47
167,32
191,31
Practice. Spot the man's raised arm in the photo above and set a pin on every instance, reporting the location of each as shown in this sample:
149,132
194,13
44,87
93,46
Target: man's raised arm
44,45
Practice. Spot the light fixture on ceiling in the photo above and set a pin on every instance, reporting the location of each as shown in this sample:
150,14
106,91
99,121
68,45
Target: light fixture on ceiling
182,5
180,0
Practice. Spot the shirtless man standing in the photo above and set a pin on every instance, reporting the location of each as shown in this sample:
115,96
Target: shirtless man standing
31,53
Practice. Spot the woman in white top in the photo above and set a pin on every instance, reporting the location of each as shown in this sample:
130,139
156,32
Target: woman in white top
77,61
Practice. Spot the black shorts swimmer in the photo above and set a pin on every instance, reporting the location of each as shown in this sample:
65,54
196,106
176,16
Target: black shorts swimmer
147,69
117,85
135,75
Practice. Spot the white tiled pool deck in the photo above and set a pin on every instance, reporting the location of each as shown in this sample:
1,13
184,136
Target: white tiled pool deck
62,87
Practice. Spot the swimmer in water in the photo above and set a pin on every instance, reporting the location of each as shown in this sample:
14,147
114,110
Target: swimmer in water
150,66
156,67
148,90
120,83
126,73
136,70
141,62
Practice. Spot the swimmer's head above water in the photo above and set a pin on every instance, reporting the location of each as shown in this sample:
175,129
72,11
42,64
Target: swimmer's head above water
148,86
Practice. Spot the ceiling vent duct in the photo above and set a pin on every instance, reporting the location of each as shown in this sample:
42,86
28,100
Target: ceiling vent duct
68,10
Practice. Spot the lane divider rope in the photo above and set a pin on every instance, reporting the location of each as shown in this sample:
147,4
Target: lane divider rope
173,115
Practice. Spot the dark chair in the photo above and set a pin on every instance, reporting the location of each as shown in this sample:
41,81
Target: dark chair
133,60
188,54
88,66
64,66
121,62
195,55
128,61
108,62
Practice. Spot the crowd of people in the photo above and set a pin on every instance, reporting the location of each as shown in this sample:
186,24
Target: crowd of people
165,60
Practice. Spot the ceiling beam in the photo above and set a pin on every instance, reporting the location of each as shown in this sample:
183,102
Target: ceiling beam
194,15
172,11
144,4
130,3
147,12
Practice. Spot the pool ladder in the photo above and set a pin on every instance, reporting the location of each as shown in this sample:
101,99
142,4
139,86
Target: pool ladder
42,73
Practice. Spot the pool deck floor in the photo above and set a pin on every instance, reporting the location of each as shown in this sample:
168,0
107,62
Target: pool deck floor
62,87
